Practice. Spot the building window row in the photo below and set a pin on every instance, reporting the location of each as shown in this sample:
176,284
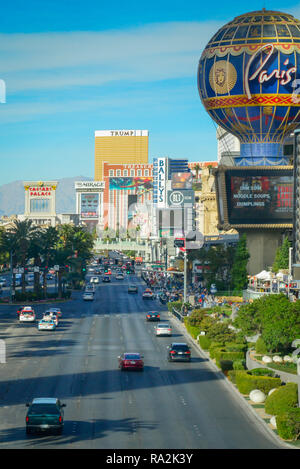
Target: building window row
132,173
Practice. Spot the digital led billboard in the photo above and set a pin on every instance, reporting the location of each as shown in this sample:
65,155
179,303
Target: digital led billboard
182,181
89,205
255,196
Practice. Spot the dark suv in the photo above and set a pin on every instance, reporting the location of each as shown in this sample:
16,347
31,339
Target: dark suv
45,414
179,351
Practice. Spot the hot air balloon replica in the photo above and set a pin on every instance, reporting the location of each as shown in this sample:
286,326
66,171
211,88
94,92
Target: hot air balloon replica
249,83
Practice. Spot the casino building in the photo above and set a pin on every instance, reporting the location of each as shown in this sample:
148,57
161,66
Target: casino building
127,196
40,202
119,147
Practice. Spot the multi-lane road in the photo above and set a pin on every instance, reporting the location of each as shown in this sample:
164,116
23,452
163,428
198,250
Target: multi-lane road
168,406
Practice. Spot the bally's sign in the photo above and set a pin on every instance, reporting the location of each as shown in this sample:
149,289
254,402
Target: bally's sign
161,182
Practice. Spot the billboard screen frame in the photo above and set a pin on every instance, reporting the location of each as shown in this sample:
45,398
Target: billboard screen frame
223,195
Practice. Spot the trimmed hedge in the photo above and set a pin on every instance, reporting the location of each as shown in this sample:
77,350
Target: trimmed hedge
262,372
204,342
224,355
282,399
232,375
235,347
260,346
239,365
214,347
246,382
288,424
226,365
194,331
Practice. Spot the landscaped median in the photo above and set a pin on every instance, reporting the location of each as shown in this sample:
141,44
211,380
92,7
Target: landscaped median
274,399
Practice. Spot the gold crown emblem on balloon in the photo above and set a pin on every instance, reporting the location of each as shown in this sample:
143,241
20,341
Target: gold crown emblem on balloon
222,77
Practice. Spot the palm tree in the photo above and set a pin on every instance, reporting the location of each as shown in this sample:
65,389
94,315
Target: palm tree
197,168
21,235
49,239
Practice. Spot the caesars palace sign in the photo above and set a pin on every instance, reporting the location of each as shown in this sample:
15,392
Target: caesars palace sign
40,191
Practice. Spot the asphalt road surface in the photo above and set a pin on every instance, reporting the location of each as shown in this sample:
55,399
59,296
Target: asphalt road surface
168,406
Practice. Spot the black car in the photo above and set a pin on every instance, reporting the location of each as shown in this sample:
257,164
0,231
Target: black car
179,351
45,414
106,278
153,316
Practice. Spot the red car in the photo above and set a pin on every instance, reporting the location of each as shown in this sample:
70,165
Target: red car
131,361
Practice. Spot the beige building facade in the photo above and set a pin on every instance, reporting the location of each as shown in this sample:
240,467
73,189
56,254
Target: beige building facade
40,202
120,147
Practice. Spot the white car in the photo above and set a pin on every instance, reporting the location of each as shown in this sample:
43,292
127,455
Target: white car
94,280
27,315
51,316
46,325
119,277
55,310
148,294
163,329
88,296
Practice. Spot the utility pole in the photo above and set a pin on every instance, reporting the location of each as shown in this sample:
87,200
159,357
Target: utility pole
11,276
290,270
185,278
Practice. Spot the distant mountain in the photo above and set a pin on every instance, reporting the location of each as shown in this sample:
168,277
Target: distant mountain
12,196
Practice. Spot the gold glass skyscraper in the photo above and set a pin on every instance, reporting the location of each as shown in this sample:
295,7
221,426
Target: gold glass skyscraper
120,147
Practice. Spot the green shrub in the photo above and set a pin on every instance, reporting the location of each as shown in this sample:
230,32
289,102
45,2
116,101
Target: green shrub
282,399
262,372
247,382
204,342
260,346
195,317
224,355
235,347
286,367
194,331
226,365
288,424
239,365
214,347
232,375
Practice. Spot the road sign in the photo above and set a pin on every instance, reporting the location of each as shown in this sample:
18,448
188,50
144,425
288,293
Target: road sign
180,243
56,267
36,269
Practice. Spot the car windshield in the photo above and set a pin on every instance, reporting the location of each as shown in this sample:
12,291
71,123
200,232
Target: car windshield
132,356
164,326
39,409
180,348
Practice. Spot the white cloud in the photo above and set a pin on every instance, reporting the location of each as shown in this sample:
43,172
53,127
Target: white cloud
58,60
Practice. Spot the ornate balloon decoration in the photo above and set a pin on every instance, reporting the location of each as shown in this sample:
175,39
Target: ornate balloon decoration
249,83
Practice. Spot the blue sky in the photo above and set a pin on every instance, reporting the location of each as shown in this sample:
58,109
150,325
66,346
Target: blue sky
72,67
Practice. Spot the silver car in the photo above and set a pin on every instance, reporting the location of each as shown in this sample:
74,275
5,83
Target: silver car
88,296
163,328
